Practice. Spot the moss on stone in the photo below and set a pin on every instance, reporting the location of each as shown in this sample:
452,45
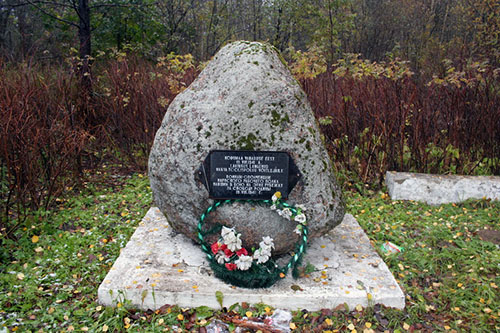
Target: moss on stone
247,142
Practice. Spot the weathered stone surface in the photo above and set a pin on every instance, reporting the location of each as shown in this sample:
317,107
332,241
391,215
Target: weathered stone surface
245,99
441,189
159,267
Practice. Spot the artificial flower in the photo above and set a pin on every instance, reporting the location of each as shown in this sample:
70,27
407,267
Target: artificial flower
228,252
233,242
231,266
301,218
226,231
267,242
244,263
242,252
221,258
286,213
215,247
261,256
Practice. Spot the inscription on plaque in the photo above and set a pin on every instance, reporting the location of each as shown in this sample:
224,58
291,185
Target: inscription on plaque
247,174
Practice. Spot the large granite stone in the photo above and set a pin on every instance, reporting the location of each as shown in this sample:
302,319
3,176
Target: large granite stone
245,99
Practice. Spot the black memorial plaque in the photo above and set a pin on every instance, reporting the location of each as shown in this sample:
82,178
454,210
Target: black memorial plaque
234,174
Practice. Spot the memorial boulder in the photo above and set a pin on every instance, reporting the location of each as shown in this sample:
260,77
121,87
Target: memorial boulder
244,100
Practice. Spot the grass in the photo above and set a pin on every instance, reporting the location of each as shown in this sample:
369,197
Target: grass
49,277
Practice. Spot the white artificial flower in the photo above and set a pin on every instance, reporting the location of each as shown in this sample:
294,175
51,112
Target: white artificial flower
274,198
233,242
301,218
221,258
244,263
268,241
273,207
261,256
266,245
226,231
286,213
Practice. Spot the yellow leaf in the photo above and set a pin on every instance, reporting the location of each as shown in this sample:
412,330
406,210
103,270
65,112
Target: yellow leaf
126,320
51,310
105,328
369,296
406,326
282,275
248,314
351,326
359,308
267,309
328,321
20,276
39,249
293,326
85,329
35,239
180,317
446,327
487,310
368,324
160,321
71,328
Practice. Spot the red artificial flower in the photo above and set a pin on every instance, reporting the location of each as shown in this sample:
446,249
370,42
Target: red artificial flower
230,266
242,252
228,252
215,247
223,247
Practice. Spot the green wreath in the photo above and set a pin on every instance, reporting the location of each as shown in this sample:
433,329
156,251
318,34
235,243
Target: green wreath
234,264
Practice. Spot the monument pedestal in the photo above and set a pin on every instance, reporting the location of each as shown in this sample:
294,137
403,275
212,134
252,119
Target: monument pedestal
159,266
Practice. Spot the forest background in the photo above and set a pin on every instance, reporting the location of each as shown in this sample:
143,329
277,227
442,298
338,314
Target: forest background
407,85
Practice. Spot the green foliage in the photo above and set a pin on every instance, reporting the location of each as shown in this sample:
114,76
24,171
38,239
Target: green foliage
436,239
220,297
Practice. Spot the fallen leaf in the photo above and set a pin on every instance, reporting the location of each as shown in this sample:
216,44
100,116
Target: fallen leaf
35,239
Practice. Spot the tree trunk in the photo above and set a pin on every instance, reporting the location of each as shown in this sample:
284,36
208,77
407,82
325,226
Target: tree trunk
84,34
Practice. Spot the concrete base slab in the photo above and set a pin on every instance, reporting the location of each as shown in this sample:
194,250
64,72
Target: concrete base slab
441,189
159,267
